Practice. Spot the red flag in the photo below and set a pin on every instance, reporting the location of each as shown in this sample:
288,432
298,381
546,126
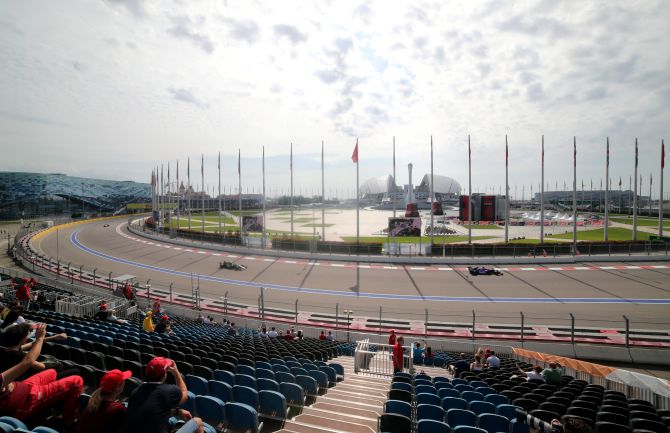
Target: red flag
354,156
662,154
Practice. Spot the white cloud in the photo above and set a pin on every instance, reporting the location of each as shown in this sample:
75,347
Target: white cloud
107,86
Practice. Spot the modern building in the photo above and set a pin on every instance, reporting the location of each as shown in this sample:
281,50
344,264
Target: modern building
382,191
33,195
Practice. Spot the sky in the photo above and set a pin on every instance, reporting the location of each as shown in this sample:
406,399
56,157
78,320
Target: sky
112,88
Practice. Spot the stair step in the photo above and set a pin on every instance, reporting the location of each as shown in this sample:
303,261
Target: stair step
364,386
358,411
357,392
300,427
342,417
367,405
334,424
344,397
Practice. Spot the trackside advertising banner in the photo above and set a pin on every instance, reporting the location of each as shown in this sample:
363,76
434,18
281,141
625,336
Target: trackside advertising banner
404,226
252,223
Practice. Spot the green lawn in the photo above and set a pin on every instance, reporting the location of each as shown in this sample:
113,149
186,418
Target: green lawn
245,212
615,234
317,225
646,222
414,239
533,241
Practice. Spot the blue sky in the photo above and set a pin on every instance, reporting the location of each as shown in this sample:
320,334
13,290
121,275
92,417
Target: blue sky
111,88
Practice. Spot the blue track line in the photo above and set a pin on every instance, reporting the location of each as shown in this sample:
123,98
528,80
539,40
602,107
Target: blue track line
75,241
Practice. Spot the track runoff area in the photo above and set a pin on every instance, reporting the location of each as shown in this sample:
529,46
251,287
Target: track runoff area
598,295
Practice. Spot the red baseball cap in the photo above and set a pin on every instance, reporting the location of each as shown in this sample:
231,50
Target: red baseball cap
113,379
157,367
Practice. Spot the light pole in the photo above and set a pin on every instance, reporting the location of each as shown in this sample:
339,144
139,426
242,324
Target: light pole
348,313
33,260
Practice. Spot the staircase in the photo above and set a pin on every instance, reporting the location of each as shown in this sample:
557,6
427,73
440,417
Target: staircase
352,406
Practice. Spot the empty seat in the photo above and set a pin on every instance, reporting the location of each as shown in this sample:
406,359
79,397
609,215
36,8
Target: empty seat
399,394
544,415
496,399
429,411
394,423
398,407
241,417
457,417
196,384
428,398
609,427
272,405
210,409
432,426
402,385
493,423
246,395
472,396
454,403
294,394
308,384
480,407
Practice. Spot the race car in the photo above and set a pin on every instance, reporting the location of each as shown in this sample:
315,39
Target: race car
231,265
483,270
106,225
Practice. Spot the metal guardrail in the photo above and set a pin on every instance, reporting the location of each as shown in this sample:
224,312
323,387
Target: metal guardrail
377,359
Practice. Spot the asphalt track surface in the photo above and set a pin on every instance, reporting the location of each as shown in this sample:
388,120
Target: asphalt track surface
598,294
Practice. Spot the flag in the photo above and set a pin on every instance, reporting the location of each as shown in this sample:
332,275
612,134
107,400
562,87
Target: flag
354,156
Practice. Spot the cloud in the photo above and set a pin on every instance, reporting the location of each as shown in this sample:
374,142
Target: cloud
538,26
31,119
290,32
183,29
328,76
597,93
135,7
242,30
81,67
185,95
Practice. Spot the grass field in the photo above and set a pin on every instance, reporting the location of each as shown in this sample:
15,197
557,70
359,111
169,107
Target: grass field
300,220
414,239
317,225
533,241
615,234
645,222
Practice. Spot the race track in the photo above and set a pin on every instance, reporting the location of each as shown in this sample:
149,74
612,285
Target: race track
598,294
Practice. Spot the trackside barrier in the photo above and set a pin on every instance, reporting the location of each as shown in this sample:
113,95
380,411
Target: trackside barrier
377,359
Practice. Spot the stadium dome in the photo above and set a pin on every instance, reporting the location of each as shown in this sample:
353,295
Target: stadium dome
378,185
443,184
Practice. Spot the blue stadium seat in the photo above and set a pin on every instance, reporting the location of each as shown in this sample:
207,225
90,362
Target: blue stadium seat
448,392
284,377
507,410
440,379
496,399
272,405
263,365
262,373
454,403
339,370
432,426
442,385
428,398
245,369
519,427
418,382
298,370
246,395
480,407
6,428
241,417
42,429
279,367
468,429
225,376
294,394
13,422
330,373
471,396
210,409
196,384
189,404
320,378
429,411
267,385
458,417
493,423
398,407
394,423
220,390
308,384
421,376
459,381
402,385
245,380
485,390
478,383
425,388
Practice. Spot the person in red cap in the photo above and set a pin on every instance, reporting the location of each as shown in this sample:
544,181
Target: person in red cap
392,338
152,404
23,295
104,414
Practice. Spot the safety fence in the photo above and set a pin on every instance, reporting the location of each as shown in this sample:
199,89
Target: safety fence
377,359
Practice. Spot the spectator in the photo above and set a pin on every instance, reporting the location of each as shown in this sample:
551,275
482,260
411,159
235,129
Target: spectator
111,317
418,353
15,340
460,366
330,336
322,336
272,333
553,374
288,335
41,391
264,332
23,295
398,355
392,338
102,313
162,324
14,317
534,374
477,365
200,319
128,292
570,425
487,353
493,361
429,353
150,406
147,323
299,335
104,414
168,329
156,310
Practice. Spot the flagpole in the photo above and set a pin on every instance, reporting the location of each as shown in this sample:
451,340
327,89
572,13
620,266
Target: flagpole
169,215
323,197
635,196
660,201
239,192
291,201
607,176
506,191
650,179
178,197
219,165
202,174
162,190
574,196
432,196
394,181
188,192
542,196
469,192
263,233
358,227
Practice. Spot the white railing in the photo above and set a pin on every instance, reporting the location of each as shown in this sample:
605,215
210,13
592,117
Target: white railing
377,359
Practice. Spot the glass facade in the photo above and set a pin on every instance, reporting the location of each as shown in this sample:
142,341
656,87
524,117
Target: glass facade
31,195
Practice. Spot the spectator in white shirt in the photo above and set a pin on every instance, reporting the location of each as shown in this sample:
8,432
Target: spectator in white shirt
272,333
493,361
534,374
